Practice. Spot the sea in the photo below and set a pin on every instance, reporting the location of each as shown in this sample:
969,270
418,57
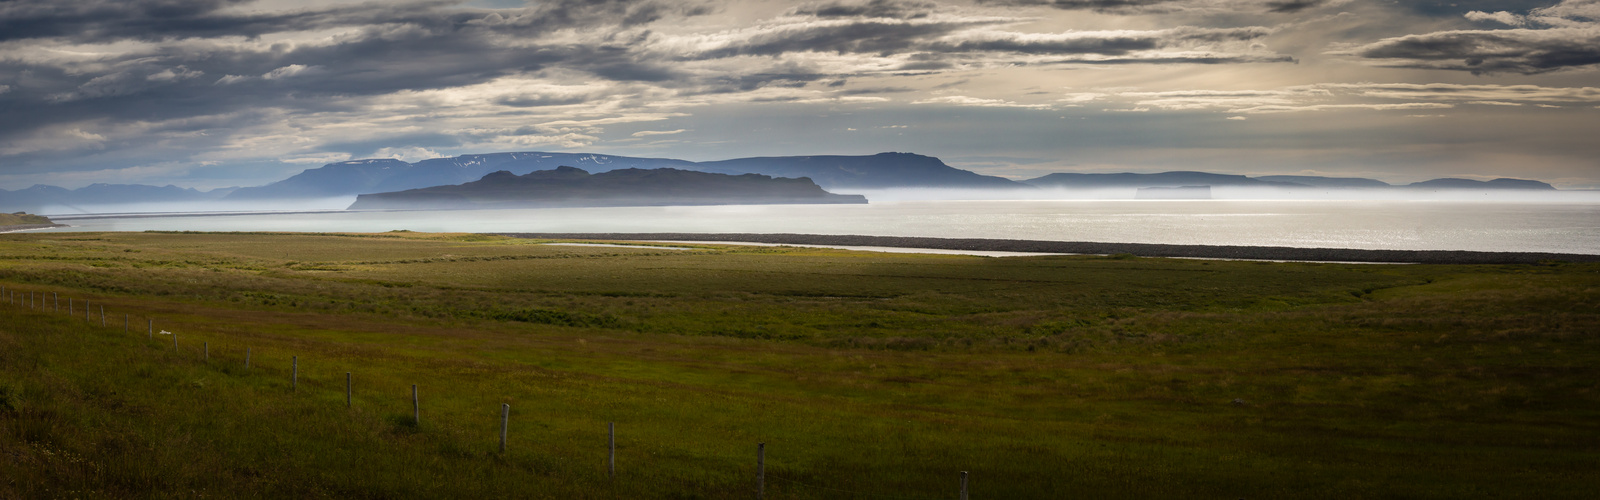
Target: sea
1512,226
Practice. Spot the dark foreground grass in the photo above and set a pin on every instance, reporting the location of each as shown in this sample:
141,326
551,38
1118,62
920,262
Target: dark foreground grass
867,375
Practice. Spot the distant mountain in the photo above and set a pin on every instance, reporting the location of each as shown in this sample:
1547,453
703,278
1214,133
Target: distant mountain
1332,182
1501,183
40,197
573,187
882,170
333,179
1164,179
376,176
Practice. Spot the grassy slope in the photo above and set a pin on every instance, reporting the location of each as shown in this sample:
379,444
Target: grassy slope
875,374
18,219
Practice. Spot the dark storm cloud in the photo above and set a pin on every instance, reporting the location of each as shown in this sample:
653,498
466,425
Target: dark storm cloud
1553,37
1497,51
896,9
1166,6
925,40
1292,6
104,20
1107,44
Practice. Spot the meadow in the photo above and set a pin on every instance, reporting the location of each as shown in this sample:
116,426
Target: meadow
866,375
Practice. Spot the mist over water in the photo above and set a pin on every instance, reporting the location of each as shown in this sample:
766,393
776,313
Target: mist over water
1570,225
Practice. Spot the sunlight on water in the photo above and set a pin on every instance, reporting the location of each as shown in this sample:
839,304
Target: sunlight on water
1411,225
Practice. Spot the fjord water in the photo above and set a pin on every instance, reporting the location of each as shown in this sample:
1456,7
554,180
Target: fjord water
1373,224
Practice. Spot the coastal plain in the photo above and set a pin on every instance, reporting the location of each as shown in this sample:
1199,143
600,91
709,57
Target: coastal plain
866,375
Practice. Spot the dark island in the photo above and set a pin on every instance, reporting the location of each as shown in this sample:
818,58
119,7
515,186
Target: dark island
573,187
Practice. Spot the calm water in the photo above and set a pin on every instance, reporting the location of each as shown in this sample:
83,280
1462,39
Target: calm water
1421,225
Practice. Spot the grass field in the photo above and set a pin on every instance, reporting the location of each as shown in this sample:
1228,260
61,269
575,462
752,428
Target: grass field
866,375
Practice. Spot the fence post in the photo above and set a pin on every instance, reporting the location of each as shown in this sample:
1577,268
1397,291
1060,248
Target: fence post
346,389
611,463
761,470
174,341
294,377
102,315
505,421
56,298
963,485
69,307
416,407
247,358
152,326
207,351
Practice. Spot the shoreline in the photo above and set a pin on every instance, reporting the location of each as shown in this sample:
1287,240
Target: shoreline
28,227
1226,252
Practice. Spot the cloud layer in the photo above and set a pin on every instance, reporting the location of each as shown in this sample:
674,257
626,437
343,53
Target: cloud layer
219,92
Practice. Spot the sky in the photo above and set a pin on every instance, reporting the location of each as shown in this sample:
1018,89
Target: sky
216,93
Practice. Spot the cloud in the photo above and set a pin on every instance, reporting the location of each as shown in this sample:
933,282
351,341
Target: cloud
647,133
1134,7
1559,37
1346,97
893,9
291,71
408,154
961,100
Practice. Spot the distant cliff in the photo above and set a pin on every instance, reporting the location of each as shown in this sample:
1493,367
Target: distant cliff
1501,183
573,187
879,171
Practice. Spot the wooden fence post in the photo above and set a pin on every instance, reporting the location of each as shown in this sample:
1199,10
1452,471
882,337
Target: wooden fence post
294,380
963,485
761,470
416,407
505,421
207,351
69,307
152,326
174,341
247,358
125,319
346,389
611,463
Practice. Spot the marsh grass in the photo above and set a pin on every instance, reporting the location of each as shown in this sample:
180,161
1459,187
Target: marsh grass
868,375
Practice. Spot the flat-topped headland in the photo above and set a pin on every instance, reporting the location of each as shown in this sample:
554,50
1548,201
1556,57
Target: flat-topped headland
1097,248
21,221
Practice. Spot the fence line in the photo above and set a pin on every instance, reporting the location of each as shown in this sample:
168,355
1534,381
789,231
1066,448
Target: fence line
611,463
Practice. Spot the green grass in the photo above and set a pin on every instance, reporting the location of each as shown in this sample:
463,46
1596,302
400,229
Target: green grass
20,218
867,375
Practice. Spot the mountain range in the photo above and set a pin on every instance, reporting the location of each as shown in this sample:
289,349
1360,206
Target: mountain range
830,172
834,173
574,187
